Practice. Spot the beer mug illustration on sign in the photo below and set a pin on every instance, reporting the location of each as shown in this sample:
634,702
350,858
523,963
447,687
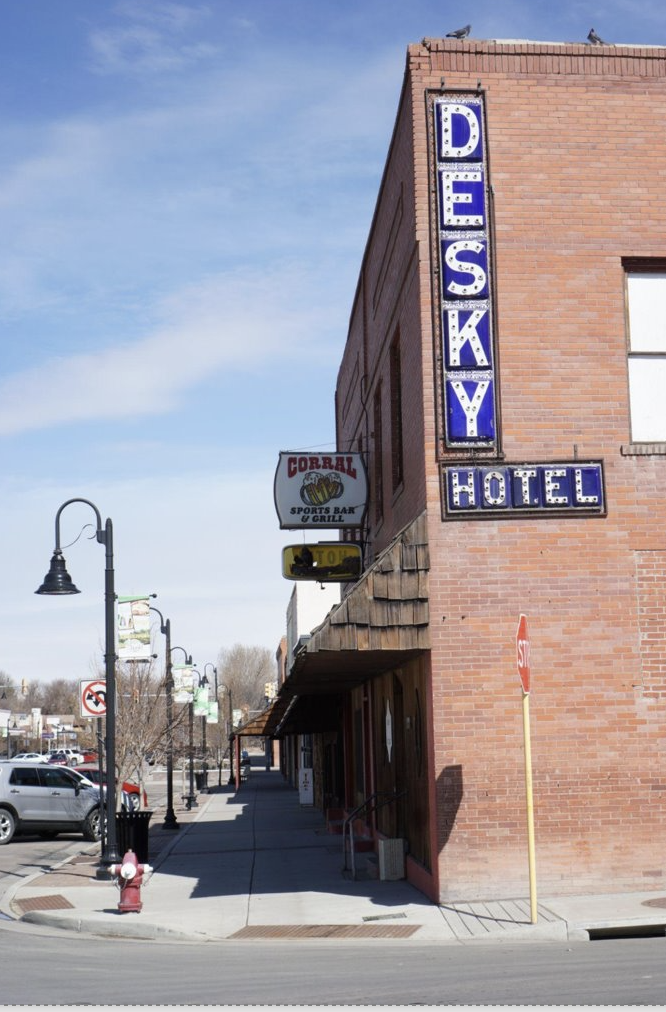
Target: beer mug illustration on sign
318,489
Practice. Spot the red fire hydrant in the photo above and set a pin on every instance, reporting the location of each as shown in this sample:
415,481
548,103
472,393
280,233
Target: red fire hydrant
129,877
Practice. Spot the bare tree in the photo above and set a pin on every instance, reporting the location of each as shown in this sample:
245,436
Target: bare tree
245,671
59,696
140,719
8,691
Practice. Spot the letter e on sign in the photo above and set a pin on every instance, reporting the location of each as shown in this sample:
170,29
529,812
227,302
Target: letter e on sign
523,653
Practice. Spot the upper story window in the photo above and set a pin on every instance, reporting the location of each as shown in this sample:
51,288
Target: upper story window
646,319
378,468
396,417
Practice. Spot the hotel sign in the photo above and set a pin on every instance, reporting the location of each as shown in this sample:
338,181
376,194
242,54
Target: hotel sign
487,491
320,490
465,298
469,381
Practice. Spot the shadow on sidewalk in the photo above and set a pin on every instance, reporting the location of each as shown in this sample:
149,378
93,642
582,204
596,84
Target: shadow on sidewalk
262,841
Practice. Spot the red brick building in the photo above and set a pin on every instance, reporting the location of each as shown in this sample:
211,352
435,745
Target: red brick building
505,377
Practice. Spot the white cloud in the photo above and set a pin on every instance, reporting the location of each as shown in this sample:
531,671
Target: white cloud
104,214
150,40
238,321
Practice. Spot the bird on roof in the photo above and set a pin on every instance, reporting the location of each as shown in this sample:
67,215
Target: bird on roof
459,33
594,39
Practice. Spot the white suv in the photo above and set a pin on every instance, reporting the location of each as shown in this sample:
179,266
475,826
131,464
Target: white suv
73,755
44,799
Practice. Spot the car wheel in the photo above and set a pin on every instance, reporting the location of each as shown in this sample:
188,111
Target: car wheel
7,826
92,828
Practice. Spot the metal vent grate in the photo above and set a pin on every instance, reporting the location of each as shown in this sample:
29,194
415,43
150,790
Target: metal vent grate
44,903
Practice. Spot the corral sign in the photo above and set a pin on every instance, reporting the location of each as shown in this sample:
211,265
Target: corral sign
320,490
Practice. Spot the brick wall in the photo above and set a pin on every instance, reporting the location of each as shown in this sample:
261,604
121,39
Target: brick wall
577,160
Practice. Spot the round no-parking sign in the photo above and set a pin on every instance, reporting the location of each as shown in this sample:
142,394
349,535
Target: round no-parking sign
93,698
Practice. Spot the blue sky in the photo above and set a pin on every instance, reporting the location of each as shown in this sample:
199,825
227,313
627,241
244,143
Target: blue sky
185,193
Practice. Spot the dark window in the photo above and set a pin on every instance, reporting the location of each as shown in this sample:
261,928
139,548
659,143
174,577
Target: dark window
24,777
378,468
396,416
56,778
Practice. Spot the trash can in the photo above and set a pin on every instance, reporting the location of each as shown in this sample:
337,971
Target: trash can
201,780
132,833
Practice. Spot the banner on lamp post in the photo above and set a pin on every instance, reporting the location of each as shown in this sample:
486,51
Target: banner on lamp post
201,701
183,683
213,712
133,621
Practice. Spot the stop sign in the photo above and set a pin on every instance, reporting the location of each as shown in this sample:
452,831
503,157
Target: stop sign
523,653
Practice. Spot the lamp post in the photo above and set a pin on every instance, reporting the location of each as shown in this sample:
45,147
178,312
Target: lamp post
15,731
56,582
170,820
231,728
204,718
191,801
188,662
4,696
201,681
210,665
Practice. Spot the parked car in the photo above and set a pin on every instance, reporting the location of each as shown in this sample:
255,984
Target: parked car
45,799
131,799
29,757
66,757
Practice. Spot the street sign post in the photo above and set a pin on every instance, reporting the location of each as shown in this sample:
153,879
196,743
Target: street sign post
524,672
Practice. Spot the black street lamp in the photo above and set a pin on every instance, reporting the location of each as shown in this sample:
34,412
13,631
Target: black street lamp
231,729
204,720
188,662
4,696
170,820
203,726
15,732
191,800
58,581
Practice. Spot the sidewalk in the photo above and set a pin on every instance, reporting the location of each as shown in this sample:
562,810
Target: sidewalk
256,865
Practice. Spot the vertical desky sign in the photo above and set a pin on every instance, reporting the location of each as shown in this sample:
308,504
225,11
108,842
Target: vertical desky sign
470,414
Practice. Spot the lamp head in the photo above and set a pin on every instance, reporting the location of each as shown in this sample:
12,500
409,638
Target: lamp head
57,580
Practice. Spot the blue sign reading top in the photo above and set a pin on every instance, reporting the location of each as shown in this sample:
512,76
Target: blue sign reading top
484,491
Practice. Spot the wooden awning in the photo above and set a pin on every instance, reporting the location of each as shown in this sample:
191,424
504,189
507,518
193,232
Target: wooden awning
382,622
261,724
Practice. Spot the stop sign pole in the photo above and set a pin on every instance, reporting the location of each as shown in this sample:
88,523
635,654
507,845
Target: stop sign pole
524,673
